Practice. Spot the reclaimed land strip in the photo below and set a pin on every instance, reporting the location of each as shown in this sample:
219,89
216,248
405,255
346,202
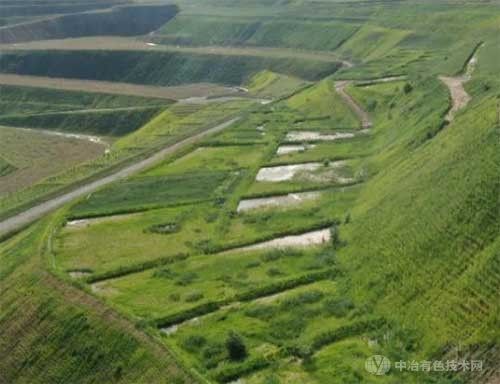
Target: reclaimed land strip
139,267
256,293
96,86
130,44
22,219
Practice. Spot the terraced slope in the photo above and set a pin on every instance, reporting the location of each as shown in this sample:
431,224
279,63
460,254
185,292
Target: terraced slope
61,327
191,30
347,293
120,21
76,112
374,230
158,68
118,88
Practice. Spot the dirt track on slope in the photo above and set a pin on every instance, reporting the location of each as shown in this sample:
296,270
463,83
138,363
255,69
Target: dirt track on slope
459,96
26,217
341,86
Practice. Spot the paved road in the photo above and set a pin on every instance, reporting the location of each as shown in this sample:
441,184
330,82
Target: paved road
18,221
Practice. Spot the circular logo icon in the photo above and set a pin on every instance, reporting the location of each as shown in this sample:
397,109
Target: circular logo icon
378,365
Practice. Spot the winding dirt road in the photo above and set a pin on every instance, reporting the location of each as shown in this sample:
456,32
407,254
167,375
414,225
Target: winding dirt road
459,96
24,218
340,87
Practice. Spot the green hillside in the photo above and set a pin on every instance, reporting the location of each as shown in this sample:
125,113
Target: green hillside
158,68
354,212
74,111
47,323
114,122
192,30
120,21
26,100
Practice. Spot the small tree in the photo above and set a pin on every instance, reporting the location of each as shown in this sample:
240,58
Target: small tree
235,346
407,88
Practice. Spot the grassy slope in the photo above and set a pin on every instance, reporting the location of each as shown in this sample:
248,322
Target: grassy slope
170,126
322,101
271,84
192,30
5,167
21,100
52,332
438,200
422,246
116,122
35,156
159,68
74,111
121,21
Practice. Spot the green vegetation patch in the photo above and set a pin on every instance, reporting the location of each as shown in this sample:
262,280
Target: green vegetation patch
117,122
372,42
118,21
271,84
322,102
208,159
47,322
158,68
25,100
135,245
199,280
5,167
314,35
266,325
141,193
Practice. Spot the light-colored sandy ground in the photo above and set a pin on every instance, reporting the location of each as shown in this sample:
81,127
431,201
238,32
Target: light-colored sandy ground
285,172
200,90
103,288
314,172
277,201
299,136
218,99
78,274
380,80
83,223
286,149
77,136
459,96
318,237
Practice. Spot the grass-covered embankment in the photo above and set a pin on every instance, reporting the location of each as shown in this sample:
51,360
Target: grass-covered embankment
158,68
117,21
216,30
50,331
